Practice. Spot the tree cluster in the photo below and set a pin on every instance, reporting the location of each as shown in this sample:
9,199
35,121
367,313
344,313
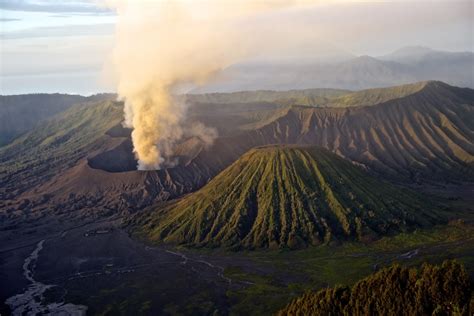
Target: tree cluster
431,290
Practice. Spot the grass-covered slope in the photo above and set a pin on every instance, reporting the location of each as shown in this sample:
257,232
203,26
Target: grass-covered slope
376,96
313,97
22,113
282,196
56,144
302,97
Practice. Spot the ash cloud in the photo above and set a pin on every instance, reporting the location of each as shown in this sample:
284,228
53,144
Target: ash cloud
163,46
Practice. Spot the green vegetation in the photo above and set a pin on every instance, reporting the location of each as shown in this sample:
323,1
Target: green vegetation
265,281
75,127
315,97
273,198
287,197
329,266
431,290
56,144
300,97
22,113
376,96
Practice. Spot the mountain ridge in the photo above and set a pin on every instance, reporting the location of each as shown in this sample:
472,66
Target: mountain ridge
21,113
425,137
362,72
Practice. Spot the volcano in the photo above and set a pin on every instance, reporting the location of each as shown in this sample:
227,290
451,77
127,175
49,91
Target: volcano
287,197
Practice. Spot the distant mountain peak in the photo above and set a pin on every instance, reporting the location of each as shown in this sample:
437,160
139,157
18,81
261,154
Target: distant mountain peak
412,50
410,54
364,59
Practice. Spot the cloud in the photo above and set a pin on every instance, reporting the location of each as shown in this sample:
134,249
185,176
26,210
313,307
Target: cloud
60,16
8,20
61,31
54,6
55,50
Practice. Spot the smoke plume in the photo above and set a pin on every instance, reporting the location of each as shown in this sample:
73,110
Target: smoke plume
165,45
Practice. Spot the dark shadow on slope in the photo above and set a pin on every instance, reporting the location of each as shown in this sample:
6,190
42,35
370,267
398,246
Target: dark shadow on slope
118,159
119,131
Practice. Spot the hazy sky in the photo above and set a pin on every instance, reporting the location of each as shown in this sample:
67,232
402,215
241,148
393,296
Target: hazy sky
64,46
